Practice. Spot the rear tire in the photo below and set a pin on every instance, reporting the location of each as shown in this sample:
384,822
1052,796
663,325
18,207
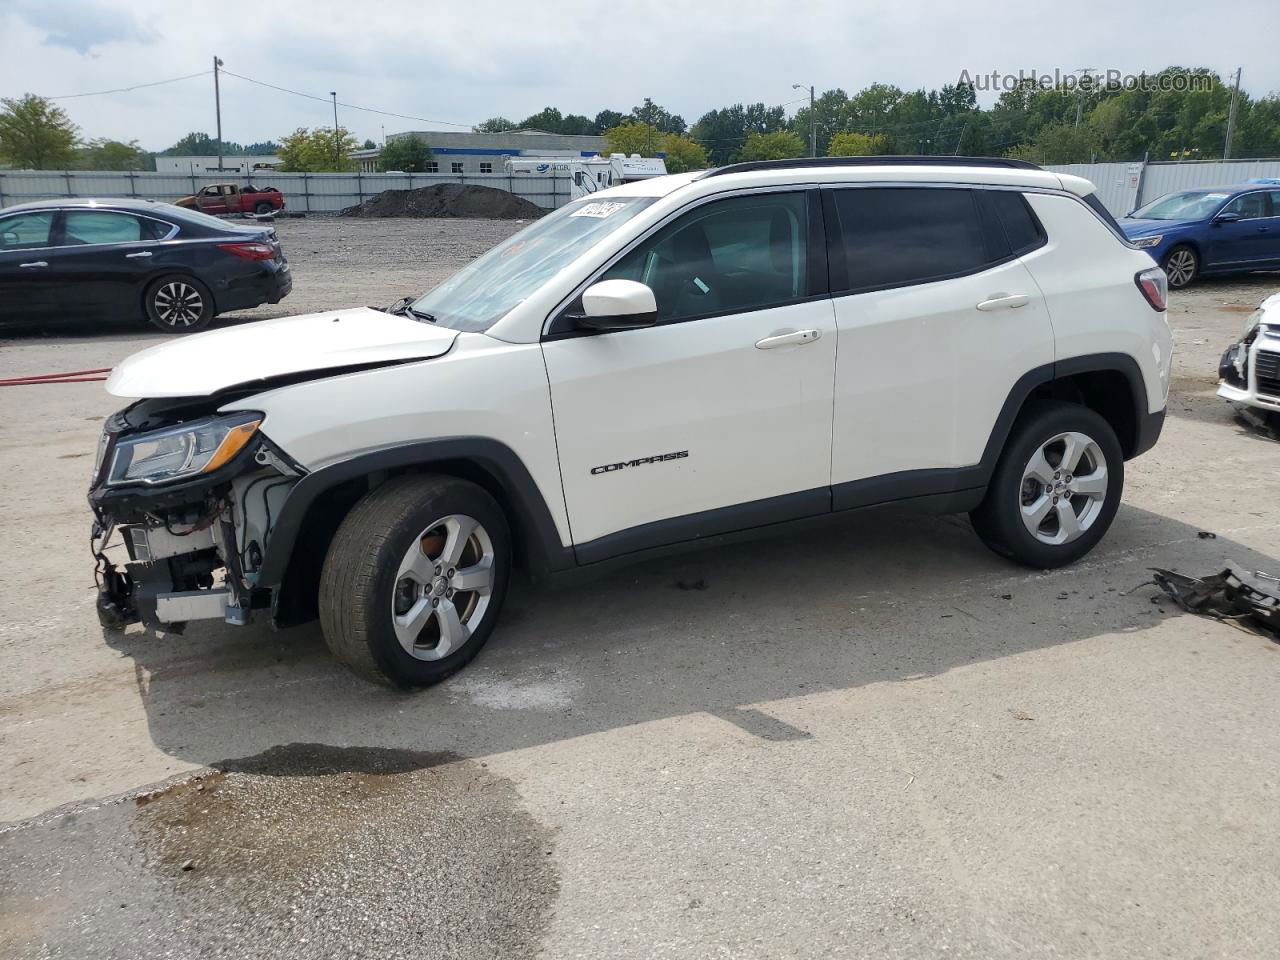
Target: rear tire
1181,266
179,304
1056,487
263,208
414,580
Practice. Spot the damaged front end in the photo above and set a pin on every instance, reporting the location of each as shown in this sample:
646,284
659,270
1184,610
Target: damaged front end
1249,370
189,495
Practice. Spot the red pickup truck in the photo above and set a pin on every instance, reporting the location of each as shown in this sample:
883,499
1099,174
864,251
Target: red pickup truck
219,198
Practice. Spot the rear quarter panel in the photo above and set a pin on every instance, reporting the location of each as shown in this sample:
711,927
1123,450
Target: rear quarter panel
1087,276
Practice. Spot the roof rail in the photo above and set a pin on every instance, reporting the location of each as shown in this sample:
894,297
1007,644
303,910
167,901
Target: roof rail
878,161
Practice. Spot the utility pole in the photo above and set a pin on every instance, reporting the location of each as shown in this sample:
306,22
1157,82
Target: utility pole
648,120
217,107
337,143
1085,72
813,119
1231,116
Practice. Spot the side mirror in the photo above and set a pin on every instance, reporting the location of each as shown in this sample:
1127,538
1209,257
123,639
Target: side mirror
1226,218
617,305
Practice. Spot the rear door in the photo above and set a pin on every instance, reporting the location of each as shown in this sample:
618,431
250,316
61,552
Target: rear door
27,283
937,320
106,258
706,422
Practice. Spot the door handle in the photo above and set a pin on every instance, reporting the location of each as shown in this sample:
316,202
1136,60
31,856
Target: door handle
1005,301
144,253
36,263
783,339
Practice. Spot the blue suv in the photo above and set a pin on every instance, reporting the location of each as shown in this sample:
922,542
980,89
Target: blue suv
1210,230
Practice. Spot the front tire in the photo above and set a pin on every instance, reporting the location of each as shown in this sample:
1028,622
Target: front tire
1056,487
179,304
1181,266
414,580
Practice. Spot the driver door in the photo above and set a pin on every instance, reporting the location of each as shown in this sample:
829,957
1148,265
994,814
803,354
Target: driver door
717,418
1245,240
211,201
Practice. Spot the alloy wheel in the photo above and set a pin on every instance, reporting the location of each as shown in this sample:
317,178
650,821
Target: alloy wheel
443,587
179,304
1064,487
1180,267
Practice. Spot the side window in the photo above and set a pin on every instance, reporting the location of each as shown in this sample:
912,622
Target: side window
1274,196
1021,227
212,191
155,229
895,236
728,256
1249,207
26,231
101,226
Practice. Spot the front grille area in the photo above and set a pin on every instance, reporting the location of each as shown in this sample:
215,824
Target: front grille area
1267,369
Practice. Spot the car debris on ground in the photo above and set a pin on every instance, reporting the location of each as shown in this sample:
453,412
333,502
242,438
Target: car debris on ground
1249,599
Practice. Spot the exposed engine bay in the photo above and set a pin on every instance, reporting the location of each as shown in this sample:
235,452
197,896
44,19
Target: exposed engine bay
189,496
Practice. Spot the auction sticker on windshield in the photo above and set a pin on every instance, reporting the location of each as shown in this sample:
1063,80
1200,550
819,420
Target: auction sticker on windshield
598,209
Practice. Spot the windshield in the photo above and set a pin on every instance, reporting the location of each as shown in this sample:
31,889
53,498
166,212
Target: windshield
1191,205
484,291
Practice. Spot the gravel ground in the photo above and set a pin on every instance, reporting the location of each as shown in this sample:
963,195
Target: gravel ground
874,740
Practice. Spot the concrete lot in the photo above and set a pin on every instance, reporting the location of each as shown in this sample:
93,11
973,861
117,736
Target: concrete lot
877,740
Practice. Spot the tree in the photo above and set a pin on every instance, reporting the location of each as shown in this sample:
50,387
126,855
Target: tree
35,134
682,154
548,119
847,144
105,154
607,119
780,145
494,125
320,150
195,144
655,116
631,137
405,155
368,145
722,132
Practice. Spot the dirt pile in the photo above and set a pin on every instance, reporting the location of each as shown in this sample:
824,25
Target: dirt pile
447,200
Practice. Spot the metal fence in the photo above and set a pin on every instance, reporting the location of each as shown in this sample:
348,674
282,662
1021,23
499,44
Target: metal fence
303,192
1124,186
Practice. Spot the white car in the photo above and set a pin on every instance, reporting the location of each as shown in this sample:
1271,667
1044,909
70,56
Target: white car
1249,373
682,361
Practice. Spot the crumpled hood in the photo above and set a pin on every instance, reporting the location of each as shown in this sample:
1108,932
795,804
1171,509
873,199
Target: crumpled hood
205,363
1145,228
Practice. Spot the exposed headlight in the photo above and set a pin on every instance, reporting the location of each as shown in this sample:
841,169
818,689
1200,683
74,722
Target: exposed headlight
181,452
1142,243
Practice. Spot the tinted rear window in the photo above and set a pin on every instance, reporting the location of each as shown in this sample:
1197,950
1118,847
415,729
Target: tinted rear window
1020,224
893,236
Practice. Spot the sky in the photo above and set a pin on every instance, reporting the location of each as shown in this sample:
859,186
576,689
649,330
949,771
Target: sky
459,63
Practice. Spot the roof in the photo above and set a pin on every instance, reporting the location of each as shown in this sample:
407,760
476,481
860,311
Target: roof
860,172
110,203
1226,188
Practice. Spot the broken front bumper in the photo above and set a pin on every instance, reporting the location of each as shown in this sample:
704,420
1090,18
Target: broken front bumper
191,549
1249,371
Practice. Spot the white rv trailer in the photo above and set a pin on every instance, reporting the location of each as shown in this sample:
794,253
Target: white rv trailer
589,174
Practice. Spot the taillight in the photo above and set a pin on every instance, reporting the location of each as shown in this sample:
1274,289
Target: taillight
1155,287
249,251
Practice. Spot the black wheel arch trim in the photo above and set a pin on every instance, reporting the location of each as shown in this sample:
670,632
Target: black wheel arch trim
532,520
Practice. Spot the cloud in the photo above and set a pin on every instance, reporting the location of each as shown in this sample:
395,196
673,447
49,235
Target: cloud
81,25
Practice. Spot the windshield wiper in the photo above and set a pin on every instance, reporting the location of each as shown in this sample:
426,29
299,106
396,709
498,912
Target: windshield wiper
404,307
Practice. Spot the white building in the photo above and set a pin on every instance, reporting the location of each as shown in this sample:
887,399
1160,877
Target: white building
204,166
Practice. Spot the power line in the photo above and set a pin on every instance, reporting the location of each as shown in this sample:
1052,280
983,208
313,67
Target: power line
349,106
136,86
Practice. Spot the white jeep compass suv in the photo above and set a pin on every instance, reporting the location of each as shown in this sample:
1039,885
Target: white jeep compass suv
675,362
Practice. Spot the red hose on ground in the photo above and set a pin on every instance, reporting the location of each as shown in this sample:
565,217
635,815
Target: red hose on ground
74,376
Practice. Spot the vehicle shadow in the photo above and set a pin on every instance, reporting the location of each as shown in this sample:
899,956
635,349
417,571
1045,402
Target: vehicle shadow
872,597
